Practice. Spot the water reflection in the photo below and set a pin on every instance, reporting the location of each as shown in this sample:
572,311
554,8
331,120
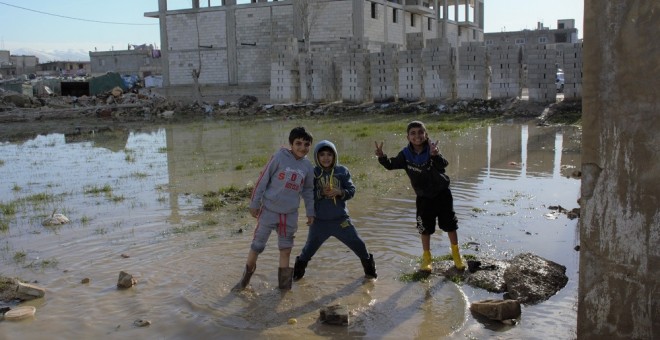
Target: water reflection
186,259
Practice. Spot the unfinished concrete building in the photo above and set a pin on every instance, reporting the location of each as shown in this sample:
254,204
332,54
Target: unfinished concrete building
142,61
227,49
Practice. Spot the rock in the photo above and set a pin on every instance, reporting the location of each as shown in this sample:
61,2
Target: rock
488,275
141,323
117,92
246,101
167,114
55,219
12,289
20,313
532,279
26,291
497,309
85,280
125,280
335,315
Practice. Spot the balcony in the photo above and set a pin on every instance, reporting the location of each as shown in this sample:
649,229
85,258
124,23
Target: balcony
418,7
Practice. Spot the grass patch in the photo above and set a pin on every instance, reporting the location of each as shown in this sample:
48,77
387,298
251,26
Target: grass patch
4,225
19,256
39,198
94,190
139,175
239,167
16,187
213,203
84,220
186,229
417,276
8,209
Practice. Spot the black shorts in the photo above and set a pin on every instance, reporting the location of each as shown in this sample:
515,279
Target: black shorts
441,208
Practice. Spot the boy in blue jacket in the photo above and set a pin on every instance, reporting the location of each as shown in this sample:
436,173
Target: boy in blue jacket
332,188
288,176
425,168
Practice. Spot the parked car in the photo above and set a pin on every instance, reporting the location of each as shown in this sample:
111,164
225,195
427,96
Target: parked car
560,81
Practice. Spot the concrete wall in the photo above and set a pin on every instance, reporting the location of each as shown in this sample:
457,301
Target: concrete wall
130,62
619,288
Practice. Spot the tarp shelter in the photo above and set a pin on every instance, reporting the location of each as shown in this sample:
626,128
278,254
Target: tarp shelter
106,82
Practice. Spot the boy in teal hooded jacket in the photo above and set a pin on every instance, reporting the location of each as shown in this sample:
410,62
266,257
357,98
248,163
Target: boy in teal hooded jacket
332,188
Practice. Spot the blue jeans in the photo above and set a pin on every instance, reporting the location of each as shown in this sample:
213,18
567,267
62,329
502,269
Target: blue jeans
344,231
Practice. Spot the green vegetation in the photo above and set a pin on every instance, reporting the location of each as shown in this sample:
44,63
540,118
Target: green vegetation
8,209
84,220
20,256
4,225
186,229
106,189
16,187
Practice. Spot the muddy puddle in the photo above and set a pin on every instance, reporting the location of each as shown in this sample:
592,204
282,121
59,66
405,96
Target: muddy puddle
140,194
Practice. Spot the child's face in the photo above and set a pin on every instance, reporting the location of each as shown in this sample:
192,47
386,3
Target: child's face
300,147
326,158
417,136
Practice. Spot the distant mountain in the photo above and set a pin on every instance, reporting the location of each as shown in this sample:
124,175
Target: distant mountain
53,55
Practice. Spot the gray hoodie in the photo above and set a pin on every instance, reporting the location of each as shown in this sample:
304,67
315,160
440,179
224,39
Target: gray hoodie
282,182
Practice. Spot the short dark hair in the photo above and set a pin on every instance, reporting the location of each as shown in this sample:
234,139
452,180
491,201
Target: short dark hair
300,132
415,124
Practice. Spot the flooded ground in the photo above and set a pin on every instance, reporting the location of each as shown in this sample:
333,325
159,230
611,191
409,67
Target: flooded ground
140,194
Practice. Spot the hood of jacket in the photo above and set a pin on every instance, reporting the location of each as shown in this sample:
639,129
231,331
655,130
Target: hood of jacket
319,146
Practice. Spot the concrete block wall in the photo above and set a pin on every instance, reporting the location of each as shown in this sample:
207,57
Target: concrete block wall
253,44
284,70
396,30
282,27
411,80
415,41
323,78
572,66
333,21
472,76
541,71
385,73
439,74
505,71
355,68
373,27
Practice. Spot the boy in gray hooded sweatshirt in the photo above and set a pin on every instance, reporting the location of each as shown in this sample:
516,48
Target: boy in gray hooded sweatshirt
332,188
288,176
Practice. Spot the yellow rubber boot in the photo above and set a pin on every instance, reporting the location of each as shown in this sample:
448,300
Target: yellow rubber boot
427,261
457,257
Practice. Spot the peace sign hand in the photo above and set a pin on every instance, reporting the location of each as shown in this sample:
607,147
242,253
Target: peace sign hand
379,149
434,148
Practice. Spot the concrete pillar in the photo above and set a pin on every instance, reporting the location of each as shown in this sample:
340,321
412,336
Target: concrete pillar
164,45
232,45
619,288
195,4
358,19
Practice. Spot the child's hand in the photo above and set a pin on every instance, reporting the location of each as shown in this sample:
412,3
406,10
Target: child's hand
332,192
310,220
379,149
254,212
434,148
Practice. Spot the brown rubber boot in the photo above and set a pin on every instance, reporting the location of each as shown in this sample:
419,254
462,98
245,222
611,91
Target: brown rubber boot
245,280
285,277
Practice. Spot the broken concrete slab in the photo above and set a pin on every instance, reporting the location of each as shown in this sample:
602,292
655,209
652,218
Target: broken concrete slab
499,310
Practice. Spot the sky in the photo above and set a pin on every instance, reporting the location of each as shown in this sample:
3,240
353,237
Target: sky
85,25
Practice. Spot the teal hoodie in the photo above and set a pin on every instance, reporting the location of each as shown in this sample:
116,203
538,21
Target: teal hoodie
339,177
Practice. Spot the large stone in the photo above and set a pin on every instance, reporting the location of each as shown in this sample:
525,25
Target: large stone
125,280
497,309
12,289
532,279
335,315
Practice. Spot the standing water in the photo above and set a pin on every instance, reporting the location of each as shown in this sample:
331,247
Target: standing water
137,203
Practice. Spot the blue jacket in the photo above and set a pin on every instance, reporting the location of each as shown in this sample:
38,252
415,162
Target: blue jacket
339,177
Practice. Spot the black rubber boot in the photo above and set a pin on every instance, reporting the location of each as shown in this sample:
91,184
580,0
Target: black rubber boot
285,277
299,269
369,267
245,280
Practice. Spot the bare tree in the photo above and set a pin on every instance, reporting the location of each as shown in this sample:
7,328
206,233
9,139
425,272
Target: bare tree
307,12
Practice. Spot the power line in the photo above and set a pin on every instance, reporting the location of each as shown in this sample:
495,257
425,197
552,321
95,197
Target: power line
72,18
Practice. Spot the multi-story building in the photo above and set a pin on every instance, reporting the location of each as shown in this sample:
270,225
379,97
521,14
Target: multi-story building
564,33
233,48
25,64
64,68
140,60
